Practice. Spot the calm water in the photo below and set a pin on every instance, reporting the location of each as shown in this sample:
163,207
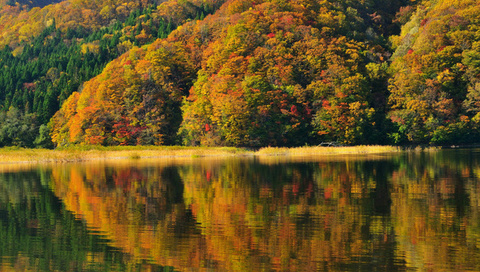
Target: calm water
410,212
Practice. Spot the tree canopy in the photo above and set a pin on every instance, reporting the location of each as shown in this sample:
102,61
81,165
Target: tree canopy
248,73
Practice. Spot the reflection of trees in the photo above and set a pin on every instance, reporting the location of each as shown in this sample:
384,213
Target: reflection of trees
38,234
435,217
289,217
140,209
234,215
413,211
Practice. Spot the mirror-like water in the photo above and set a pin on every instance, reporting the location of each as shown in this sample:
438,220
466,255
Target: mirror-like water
409,212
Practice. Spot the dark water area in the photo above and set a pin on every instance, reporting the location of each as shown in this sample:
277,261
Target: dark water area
403,212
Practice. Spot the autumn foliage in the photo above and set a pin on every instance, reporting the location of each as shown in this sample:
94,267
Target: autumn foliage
134,101
277,75
271,72
267,73
434,85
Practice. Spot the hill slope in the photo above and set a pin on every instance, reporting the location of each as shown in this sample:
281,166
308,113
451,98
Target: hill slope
252,73
42,70
435,74
267,73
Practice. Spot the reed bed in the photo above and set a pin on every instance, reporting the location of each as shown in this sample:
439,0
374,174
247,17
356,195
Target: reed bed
323,150
89,153
86,153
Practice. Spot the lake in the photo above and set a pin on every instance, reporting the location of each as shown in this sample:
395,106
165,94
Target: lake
402,212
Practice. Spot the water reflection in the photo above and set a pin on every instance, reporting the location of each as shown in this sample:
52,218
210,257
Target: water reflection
414,211
37,233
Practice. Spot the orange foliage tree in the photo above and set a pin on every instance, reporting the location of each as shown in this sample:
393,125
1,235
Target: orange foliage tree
278,73
134,101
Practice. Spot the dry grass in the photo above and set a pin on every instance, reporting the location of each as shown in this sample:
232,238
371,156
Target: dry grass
90,153
86,153
321,150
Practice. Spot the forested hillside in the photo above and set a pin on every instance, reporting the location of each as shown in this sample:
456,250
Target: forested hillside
435,74
263,73
240,72
39,73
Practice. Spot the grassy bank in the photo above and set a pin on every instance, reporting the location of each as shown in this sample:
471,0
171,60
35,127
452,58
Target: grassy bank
321,150
85,153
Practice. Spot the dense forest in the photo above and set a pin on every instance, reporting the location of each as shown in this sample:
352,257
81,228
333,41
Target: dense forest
239,72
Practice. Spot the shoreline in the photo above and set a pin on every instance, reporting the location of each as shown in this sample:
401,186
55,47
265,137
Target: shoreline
15,155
